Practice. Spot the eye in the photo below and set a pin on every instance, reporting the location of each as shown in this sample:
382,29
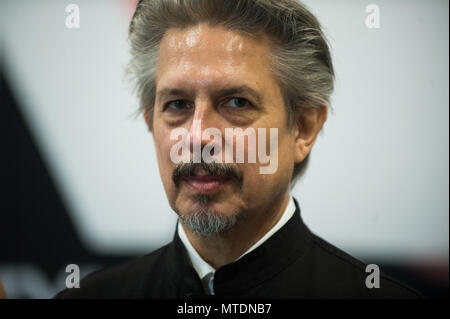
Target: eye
238,103
177,105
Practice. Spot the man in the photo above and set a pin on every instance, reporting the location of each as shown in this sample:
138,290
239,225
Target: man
252,72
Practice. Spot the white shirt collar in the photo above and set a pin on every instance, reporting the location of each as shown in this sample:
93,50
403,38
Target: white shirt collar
203,268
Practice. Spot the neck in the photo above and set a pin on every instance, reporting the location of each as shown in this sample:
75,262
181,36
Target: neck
222,249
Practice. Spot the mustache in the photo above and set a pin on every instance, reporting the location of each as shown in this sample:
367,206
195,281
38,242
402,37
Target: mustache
214,169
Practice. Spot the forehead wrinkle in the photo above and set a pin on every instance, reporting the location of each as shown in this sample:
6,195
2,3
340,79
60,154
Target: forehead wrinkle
204,63
217,40
192,37
205,77
201,70
234,44
207,49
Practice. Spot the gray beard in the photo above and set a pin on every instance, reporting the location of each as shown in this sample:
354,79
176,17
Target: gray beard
207,222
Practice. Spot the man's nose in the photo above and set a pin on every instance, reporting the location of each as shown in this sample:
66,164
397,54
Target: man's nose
204,121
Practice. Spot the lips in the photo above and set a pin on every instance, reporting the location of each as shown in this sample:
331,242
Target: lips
206,184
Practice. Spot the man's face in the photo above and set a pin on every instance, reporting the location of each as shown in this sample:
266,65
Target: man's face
198,72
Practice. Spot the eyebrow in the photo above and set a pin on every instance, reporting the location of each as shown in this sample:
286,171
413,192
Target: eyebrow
167,93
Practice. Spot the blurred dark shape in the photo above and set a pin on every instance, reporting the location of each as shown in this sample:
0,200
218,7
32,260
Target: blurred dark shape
36,228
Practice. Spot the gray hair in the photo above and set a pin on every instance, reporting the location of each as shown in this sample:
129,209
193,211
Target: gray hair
207,222
301,61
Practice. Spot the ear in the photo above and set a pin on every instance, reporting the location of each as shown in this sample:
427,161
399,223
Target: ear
148,117
309,122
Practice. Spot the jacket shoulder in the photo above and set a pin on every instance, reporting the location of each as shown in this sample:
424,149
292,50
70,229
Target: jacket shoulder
121,281
345,276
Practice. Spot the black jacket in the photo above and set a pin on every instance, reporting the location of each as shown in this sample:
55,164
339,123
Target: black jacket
292,263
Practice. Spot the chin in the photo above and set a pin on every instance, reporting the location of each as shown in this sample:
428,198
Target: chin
206,221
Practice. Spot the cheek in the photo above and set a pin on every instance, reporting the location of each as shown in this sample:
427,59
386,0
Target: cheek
281,161
162,142
163,145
